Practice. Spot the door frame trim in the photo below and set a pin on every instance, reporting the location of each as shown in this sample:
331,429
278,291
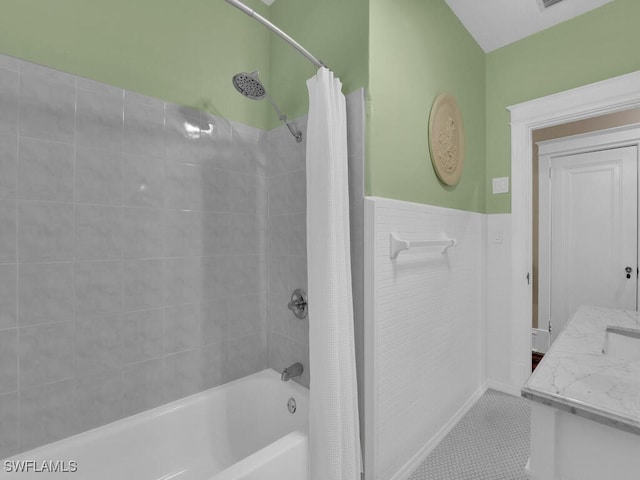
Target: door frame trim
608,96
548,150
624,136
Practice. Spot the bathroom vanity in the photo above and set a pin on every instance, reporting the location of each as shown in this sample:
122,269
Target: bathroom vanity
585,400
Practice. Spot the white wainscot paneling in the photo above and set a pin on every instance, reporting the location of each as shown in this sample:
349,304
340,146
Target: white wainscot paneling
503,373
424,321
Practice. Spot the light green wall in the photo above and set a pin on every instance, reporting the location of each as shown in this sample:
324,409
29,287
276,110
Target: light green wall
419,49
404,52
334,31
186,52
181,51
600,44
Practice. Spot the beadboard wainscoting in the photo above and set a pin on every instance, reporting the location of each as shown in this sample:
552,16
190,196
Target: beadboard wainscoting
504,370
424,330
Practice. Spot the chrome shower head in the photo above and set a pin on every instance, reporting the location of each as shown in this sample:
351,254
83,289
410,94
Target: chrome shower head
249,85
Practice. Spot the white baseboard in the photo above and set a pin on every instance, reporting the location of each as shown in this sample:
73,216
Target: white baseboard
503,387
531,476
419,457
527,471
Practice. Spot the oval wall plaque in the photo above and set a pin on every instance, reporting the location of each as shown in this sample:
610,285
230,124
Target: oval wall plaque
446,139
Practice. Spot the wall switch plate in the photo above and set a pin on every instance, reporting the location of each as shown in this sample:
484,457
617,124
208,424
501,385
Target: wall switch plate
497,236
501,185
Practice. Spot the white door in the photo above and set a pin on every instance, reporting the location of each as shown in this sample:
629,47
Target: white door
592,232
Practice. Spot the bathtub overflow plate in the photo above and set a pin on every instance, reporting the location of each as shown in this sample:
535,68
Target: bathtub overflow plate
291,405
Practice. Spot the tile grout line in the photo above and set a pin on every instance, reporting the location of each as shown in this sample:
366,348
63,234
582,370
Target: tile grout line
75,235
19,386
121,399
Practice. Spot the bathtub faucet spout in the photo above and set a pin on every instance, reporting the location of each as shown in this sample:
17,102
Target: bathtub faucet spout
291,371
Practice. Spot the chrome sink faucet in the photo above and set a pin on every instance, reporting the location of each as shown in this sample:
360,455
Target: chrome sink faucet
291,371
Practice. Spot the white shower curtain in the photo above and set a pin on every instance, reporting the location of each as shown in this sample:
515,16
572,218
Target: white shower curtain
334,451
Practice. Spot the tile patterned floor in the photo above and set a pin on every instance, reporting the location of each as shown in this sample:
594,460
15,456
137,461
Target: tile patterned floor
491,442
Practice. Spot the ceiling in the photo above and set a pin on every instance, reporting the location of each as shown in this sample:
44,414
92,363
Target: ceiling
496,23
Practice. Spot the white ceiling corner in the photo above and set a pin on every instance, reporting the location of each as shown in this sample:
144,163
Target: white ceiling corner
496,23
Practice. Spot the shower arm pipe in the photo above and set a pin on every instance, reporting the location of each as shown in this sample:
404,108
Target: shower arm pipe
252,13
283,118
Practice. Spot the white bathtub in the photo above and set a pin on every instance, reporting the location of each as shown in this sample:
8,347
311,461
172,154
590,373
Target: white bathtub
238,431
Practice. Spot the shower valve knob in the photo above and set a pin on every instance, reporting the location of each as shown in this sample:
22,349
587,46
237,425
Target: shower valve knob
298,304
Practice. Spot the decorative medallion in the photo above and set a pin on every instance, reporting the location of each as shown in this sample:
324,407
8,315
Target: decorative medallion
446,139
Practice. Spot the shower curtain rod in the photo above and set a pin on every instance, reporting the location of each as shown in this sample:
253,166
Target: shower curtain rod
252,13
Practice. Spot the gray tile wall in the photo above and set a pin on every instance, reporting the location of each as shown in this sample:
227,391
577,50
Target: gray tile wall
133,241
288,335
356,124
147,251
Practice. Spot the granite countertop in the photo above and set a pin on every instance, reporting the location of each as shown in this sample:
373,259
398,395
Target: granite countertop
576,376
